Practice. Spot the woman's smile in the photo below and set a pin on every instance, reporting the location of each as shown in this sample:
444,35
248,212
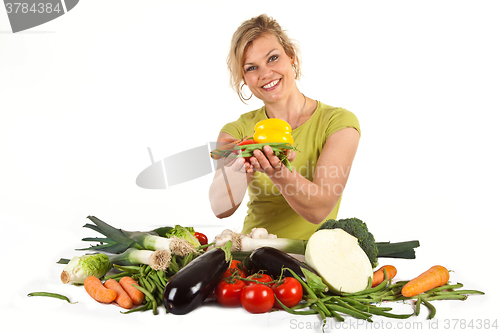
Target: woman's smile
271,85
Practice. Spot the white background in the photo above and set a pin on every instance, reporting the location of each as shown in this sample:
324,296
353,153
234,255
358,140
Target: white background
83,96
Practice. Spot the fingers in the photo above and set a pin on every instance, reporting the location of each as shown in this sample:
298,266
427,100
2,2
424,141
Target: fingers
238,164
265,161
290,155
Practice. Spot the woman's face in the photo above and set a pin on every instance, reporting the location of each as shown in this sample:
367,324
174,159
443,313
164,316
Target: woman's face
267,70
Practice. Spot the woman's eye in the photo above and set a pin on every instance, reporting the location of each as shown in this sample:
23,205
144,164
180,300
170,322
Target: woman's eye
251,68
273,58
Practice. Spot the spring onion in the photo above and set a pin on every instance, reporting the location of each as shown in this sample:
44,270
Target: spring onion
245,243
159,260
176,245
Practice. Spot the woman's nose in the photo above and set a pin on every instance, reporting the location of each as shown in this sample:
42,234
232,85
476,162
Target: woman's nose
266,72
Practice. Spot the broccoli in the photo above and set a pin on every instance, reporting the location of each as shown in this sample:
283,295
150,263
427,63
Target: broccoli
366,240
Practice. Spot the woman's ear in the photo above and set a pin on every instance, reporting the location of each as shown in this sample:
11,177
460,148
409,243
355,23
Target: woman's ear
294,66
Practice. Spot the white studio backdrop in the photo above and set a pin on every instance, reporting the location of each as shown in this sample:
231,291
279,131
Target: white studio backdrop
84,96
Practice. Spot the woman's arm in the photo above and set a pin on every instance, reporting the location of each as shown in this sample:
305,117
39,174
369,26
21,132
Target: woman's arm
229,184
315,199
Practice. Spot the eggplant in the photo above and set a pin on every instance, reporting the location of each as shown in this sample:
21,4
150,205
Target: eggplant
271,260
190,286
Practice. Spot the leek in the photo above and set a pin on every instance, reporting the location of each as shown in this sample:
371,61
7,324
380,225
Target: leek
179,240
174,244
245,243
159,260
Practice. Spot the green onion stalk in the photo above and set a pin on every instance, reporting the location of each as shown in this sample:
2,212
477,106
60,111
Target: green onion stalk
159,260
176,245
244,243
179,240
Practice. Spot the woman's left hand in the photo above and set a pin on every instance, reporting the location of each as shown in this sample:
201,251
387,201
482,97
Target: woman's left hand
267,162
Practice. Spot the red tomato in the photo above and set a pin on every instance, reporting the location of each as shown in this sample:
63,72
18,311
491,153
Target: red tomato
257,298
260,278
245,142
288,291
229,293
201,238
236,266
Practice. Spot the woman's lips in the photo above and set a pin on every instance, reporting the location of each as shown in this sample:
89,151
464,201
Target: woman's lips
271,85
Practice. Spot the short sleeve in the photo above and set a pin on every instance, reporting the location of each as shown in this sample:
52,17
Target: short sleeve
234,129
341,118
244,126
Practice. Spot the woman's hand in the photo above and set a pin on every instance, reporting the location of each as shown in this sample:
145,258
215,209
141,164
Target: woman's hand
267,162
238,164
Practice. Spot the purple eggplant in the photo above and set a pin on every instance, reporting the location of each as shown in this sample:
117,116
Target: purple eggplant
272,260
189,287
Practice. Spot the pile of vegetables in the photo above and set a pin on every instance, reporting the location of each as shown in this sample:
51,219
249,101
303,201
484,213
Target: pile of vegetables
273,132
353,226
363,304
144,262
176,267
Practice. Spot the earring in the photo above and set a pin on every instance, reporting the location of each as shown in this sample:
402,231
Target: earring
241,93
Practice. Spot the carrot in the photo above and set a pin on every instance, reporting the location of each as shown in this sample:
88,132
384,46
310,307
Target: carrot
378,276
135,294
97,291
434,277
122,298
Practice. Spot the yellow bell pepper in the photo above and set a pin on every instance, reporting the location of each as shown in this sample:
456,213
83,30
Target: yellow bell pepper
273,130
273,123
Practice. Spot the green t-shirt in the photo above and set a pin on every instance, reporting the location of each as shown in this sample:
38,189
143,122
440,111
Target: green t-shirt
267,208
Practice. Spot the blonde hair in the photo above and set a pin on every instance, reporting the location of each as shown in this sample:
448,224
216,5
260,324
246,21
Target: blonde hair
249,31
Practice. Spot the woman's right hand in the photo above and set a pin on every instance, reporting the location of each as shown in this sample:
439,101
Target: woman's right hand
238,164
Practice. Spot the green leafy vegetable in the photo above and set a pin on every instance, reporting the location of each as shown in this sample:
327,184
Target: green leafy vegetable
186,233
116,240
79,268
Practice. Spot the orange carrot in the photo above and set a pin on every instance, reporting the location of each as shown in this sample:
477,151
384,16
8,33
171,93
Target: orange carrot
378,276
97,291
434,277
122,298
135,294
